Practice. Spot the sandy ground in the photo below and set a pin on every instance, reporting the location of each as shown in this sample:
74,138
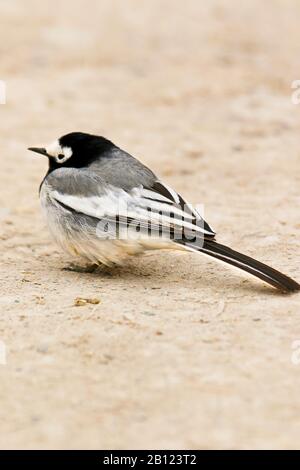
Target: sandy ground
180,352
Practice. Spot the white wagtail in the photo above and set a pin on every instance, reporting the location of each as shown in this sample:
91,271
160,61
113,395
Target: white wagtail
104,205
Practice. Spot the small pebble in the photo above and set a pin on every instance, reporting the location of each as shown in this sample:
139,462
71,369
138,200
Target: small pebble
80,301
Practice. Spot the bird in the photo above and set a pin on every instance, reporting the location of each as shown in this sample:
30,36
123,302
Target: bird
104,205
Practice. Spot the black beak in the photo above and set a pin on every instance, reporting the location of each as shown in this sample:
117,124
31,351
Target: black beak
39,150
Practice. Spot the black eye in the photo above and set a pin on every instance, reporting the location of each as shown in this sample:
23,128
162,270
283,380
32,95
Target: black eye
60,157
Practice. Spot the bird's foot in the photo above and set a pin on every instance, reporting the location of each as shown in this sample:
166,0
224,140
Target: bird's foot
76,268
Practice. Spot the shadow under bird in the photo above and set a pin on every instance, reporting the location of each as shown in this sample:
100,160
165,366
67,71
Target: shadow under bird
97,198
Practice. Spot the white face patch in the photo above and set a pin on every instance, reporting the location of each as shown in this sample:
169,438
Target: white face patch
59,153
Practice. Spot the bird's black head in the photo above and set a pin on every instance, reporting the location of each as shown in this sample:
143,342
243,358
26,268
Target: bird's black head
74,150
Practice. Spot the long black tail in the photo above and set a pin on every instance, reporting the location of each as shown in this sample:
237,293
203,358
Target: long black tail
250,265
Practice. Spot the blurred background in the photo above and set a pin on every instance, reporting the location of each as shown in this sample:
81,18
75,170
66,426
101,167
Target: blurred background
201,92
191,84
